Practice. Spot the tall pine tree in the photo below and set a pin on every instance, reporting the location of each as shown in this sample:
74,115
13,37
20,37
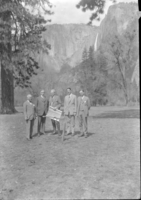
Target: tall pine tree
20,39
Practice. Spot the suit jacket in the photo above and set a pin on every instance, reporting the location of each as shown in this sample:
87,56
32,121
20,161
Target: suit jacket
29,110
55,101
83,106
70,105
41,105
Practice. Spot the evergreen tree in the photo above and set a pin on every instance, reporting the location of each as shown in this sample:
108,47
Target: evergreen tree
20,40
84,55
97,6
91,54
122,54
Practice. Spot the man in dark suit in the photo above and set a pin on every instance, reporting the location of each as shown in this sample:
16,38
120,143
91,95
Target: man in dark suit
29,115
55,102
42,105
83,112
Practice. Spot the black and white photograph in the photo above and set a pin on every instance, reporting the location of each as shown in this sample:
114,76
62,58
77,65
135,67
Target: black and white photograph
69,99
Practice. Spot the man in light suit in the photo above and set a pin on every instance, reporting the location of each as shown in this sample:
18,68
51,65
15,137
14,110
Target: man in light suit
55,102
41,105
70,109
83,112
29,115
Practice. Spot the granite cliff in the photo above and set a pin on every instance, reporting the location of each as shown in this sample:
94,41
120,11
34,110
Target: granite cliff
69,40
67,44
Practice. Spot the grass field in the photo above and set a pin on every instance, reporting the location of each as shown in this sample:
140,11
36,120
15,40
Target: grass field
106,165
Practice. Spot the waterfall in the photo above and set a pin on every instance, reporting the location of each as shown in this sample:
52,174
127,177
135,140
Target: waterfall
95,45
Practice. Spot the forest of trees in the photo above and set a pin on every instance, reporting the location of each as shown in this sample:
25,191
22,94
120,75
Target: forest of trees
21,26
106,75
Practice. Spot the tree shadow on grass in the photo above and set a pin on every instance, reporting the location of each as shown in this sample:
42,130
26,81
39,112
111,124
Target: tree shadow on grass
131,113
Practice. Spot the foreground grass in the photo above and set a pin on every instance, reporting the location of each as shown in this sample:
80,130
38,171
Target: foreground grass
105,165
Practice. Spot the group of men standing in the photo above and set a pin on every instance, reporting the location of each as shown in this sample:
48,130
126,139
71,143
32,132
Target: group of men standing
73,107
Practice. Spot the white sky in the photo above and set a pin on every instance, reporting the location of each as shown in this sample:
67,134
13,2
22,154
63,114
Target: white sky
65,12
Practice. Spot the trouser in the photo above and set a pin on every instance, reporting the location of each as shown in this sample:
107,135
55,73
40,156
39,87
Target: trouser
83,124
41,123
70,123
29,128
55,125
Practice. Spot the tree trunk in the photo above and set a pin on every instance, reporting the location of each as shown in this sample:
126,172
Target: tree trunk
6,69
7,91
126,99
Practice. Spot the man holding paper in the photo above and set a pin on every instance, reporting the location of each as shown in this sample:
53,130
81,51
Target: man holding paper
55,102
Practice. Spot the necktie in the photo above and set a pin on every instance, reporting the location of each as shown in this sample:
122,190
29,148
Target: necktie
52,101
82,100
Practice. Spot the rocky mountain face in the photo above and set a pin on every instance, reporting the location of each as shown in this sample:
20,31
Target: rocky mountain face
69,40
67,44
120,18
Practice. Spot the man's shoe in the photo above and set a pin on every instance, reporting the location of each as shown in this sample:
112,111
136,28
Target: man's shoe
54,132
59,133
81,135
86,135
